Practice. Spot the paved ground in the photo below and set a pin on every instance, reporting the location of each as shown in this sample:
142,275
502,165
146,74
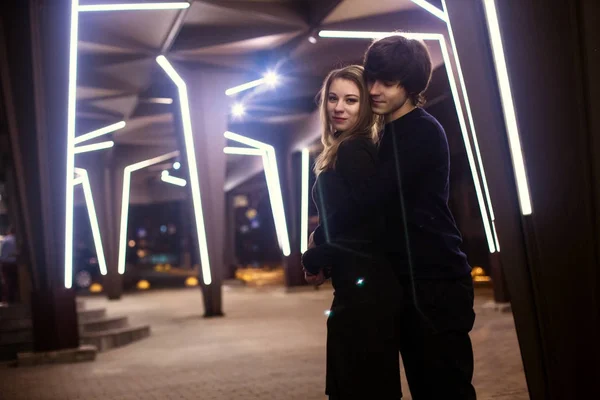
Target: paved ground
270,346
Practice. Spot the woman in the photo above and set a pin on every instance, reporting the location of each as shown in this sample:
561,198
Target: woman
362,355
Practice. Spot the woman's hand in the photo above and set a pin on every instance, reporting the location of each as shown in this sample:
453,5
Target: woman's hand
314,279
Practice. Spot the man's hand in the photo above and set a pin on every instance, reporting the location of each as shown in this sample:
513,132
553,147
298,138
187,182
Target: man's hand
314,279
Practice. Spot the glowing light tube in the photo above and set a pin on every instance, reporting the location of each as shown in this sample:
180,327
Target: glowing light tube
94,147
134,7
270,78
244,151
443,15
273,184
463,126
173,180
376,35
125,202
193,171
99,132
508,107
72,105
245,86
432,9
77,181
71,108
84,180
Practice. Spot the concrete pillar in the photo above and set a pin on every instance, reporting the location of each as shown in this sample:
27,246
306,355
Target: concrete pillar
34,82
291,186
549,258
210,109
229,255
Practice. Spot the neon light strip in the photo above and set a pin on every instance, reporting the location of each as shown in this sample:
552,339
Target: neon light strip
246,140
443,15
508,107
134,7
72,105
467,141
496,236
165,177
89,201
125,201
469,149
244,151
94,147
160,100
245,86
99,132
377,35
193,169
469,115
71,108
273,184
304,201
432,9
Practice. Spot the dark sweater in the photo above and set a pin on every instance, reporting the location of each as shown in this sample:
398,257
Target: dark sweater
420,236
343,242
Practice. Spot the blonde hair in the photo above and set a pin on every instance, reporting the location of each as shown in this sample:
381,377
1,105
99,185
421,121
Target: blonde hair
367,124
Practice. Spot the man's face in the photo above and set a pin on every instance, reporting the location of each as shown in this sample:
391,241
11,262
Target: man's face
386,97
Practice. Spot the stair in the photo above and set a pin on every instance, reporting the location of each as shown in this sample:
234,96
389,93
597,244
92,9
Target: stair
109,339
95,328
91,315
102,324
15,331
104,332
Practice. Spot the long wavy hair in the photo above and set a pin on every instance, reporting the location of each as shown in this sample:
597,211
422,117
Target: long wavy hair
367,125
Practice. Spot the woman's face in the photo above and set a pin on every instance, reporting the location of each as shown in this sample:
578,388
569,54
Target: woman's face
343,104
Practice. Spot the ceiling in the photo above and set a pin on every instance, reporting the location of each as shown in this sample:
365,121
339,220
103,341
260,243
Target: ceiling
118,78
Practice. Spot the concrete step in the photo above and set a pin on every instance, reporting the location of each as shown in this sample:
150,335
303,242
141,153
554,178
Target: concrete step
9,352
83,353
8,325
107,340
17,311
91,314
102,324
16,337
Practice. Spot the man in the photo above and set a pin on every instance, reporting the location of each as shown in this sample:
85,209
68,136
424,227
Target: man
8,265
421,239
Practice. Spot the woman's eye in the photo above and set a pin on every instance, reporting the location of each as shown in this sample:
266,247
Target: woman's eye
351,101
332,99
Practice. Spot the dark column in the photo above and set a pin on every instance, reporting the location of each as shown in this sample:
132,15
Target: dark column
550,258
291,185
34,59
106,182
210,105
498,279
229,256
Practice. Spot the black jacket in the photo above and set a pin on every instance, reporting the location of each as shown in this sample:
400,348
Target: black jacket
420,236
